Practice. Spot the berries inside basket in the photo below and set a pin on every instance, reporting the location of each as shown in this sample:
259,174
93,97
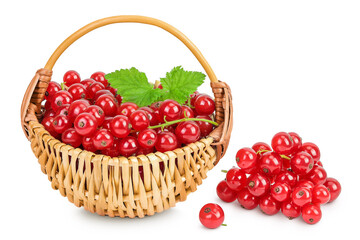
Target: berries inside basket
116,154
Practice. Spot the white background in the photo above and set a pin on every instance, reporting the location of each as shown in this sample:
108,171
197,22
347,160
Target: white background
292,66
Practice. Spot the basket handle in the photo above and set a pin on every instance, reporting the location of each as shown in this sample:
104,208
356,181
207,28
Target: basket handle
131,19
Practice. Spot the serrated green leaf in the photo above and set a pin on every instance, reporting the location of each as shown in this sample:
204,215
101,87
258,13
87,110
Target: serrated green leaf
179,84
133,86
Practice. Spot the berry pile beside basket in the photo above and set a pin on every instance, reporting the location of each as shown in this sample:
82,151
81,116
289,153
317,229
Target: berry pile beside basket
119,156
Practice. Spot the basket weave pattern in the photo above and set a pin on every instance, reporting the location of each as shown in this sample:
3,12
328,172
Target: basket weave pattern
114,186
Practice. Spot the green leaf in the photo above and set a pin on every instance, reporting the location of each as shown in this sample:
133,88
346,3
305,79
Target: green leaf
179,84
133,86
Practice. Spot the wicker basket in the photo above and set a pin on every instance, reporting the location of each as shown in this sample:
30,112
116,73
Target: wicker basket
113,186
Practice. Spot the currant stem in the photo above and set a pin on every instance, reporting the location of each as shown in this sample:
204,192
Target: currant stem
182,120
224,171
264,150
224,224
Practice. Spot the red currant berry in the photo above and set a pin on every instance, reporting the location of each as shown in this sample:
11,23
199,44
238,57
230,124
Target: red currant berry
205,127
71,77
287,177
103,92
246,158
311,213
170,110
64,109
156,105
305,183
236,179
290,210
166,141
280,191
269,205
301,196
47,105
317,175
113,151
93,88
61,123
77,107
107,123
186,112
260,148
334,188
187,132
128,146
247,200
301,163
139,120
204,105
151,115
225,193
99,77
112,90
320,194
88,145
297,142
147,138
311,149
60,98
270,163
108,104
211,215
49,113
85,124
69,136
193,98
127,109
258,184
103,139
52,88
120,126
87,82
97,112
282,143
47,122
77,91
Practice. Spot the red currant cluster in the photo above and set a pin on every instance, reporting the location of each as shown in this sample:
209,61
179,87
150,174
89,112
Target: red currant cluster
289,176
90,114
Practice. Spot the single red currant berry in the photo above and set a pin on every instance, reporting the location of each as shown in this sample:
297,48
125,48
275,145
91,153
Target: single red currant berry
69,136
108,104
128,146
93,88
120,126
52,88
297,142
211,215
311,213
193,98
311,149
61,123
113,151
127,109
64,109
305,183
170,110
247,200
187,132
139,120
85,124
301,196
205,127
282,143
334,188
301,163
258,184
47,122
151,115
280,191
97,112
49,113
166,141
71,77
317,175
77,91
103,139
87,82
77,107
269,205
204,105
320,194
100,77
147,138
287,177
246,158
103,92
270,163
60,98
290,210
236,179
260,148
88,145
47,105
225,193
156,105
107,123
187,112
